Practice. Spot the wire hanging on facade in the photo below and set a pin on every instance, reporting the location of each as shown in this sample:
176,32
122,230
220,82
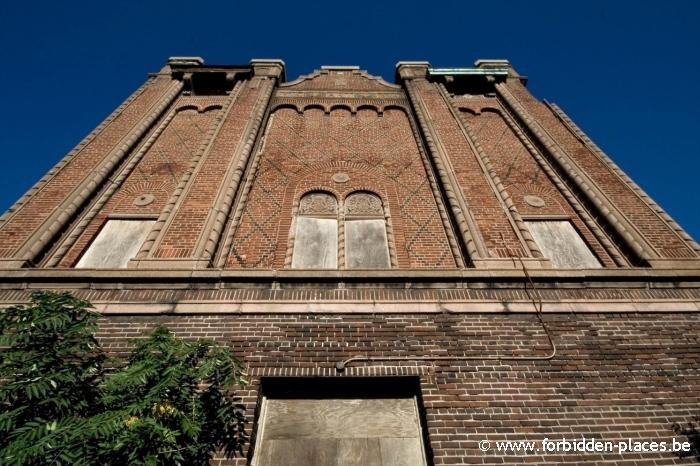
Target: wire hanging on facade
534,297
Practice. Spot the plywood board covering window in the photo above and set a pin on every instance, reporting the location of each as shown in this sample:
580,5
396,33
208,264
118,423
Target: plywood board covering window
116,243
316,233
362,224
562,244
366,244
341,431
365,232
315,243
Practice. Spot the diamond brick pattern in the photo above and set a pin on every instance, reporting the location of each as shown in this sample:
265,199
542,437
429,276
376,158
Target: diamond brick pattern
383,147
498,233
223,155
181,235
652,227
519,172
160,170
33,212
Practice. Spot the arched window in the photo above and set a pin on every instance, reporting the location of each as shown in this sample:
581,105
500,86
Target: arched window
316,232
366,245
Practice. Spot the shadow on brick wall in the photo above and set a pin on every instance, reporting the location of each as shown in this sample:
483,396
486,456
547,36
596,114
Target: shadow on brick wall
691,432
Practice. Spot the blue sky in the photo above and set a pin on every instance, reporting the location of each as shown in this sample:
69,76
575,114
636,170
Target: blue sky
625,71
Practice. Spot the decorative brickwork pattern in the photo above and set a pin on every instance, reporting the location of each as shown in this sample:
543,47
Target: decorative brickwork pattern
182,234
304,151
452,163
596,150
531,247
517,169
29,216
648,222
160,170
64,161
497,231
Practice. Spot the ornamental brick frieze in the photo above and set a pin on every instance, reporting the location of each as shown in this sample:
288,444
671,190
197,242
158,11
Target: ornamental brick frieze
328,102
297,144
340,78
318,204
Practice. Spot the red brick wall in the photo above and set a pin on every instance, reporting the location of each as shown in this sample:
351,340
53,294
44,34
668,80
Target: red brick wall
518,170
615,376
182,234
491,218
161,168
642,217
303,151
34,211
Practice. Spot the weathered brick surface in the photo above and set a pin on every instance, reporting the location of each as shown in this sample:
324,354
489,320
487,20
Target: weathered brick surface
355,80
492,220
518,170
182,234
160,170
34,211
302,153
615,376
657,232
171,292
331,121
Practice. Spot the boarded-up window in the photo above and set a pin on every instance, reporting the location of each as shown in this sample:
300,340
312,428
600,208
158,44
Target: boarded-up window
117,243
349,428
366,245
561,243
316,233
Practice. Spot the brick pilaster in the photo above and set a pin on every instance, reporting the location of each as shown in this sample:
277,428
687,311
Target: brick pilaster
36,222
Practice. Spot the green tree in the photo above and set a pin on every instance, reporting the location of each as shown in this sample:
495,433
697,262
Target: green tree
173,396
169,403
50,371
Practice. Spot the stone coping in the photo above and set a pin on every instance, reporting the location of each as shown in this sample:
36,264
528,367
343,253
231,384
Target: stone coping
690,274
515,298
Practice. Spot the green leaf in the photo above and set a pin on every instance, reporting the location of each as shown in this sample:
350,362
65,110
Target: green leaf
59,406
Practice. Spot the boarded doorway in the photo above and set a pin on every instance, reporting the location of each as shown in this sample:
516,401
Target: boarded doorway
340,422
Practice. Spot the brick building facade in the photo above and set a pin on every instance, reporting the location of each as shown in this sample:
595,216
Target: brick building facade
448,245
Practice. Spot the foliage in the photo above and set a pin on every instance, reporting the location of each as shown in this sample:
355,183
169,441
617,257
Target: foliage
173,396
170,403
50,370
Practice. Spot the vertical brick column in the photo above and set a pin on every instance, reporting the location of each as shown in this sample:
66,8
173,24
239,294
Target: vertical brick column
634,187
409,71
641,248
35,221
499,189
192,233
471,198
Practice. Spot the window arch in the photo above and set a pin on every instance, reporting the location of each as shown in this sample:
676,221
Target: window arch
316,232
360,221
366,244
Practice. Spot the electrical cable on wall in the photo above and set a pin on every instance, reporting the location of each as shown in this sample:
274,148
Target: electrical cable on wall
534,297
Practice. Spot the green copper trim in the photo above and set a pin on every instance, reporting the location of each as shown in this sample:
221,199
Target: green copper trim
468,71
